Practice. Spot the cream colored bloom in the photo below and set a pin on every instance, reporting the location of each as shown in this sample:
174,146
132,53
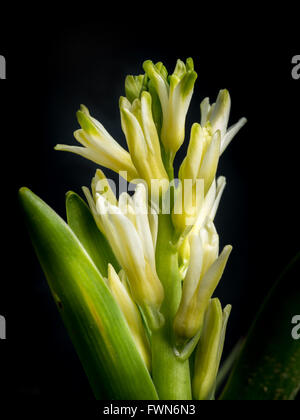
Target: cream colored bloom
217,115
175,94
99,185
142,139
209,350
207,211
203,275
132,237
200,164
131,314
99,146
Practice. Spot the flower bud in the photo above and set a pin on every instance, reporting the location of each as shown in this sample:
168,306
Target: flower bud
175,94
142,138
209,350
202,277
131,314
197,174
99,185
134,86
217,115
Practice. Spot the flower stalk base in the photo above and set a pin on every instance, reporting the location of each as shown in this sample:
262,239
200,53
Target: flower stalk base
171,376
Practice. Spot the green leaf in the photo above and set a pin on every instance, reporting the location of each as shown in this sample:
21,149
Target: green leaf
269,365
228,364
82,223
92,317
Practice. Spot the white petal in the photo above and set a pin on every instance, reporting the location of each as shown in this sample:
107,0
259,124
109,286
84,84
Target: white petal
153,223
210,244
210,161
87,153
134,135
128,242
149,127
92,206
104,207
204,108
221,183
206,207
232,131
192,161
195,267
220,115
127,207
212,277
142,221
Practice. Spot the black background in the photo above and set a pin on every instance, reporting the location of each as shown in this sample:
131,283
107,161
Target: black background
54,63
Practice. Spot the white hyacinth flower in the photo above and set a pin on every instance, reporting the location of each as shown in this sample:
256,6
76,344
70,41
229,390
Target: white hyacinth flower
99,146
175,95
142,139
199,165
132,238
217,115
203,275
207,212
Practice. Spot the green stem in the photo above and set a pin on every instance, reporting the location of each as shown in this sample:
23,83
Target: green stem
168,160
169,166
171,376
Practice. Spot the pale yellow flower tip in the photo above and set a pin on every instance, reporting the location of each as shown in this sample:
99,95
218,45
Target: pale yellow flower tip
101,185
209,350
208,168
